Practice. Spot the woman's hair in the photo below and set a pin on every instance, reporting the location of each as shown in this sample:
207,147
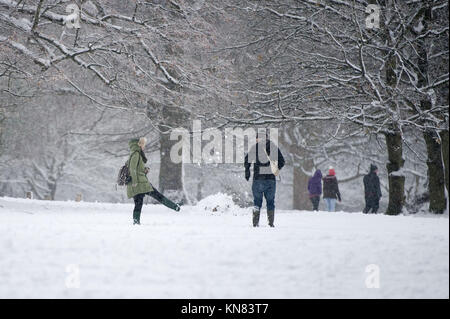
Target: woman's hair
142,141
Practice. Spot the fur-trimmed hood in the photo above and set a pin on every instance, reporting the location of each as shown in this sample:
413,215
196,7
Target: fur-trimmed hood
134,147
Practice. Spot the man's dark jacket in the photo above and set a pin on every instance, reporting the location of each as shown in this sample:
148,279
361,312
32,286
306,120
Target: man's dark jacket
371,181
258,158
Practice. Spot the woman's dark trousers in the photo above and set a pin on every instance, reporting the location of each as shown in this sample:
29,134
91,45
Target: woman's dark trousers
139,201
315,200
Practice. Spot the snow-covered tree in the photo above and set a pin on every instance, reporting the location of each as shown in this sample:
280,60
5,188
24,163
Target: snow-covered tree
322,61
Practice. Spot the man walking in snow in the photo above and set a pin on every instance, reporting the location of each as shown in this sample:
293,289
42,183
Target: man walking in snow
372,190
264,181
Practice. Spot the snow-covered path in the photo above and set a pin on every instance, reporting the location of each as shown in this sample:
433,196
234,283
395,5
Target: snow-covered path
200,254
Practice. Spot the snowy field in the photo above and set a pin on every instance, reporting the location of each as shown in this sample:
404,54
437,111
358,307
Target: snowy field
91,250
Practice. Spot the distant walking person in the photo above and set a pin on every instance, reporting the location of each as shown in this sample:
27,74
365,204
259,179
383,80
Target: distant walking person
139,186
331,190
264,181
372,190
315,189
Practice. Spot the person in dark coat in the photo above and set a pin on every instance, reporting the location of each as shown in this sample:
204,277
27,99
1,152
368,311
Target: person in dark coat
264,181
139,186
331,190
315,189
372,190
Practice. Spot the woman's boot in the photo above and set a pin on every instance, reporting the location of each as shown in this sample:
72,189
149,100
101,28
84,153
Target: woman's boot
136,217
168,203
164,200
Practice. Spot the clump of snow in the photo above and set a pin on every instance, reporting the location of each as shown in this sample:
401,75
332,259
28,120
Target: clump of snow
400,172
419,27
220,203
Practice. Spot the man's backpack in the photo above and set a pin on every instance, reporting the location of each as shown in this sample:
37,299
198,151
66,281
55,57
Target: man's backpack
124,177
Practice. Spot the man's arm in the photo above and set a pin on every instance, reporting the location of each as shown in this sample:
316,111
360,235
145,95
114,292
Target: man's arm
337,190
378,187
247,166
281,161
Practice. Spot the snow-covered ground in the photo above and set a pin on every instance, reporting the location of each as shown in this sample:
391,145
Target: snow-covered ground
90,250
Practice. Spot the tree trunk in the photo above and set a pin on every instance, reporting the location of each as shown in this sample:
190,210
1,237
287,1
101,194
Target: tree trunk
394,141
444,147
2,118
301,197
170,177
170,174
396,179
200,184
436,178
53,191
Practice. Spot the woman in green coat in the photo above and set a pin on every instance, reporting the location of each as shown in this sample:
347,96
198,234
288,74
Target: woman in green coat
139,186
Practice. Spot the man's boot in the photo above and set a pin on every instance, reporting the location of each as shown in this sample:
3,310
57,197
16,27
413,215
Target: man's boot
271,217
256,213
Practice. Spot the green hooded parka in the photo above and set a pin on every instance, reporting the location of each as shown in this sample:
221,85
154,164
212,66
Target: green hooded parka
137,171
